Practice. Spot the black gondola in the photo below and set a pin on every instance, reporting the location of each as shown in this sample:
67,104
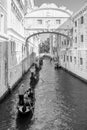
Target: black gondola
40,62
34,78
28,106
57,66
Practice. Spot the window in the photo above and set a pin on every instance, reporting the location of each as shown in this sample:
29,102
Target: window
67,58
81,38
82,20
64,58
39,21
67,42
75,39
75,23
64,42
1,22
70,58
81,61
23,50
75,60
12,46
58,21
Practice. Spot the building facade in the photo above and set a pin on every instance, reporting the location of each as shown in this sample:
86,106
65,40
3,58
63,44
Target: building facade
16,48
17,24
33,49
3,47
73,54
13,49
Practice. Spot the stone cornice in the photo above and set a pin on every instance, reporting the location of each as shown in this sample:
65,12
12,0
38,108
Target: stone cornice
3,36
80,12
15,32
22,7
3,8
16,11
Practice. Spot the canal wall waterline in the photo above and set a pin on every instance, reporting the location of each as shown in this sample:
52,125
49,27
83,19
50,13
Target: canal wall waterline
9,91
75,75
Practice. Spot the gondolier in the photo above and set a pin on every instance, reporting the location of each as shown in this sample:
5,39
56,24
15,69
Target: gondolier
26,103
21,94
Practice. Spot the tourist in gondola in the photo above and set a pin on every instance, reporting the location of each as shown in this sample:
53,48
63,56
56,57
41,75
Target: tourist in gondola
29,97
36,68
27,100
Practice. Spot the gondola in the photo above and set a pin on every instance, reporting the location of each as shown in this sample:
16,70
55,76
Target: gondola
26,108
40,62
57,66
34,79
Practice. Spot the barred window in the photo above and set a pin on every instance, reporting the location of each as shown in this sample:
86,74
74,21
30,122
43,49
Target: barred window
70,58
81,61
81,38
58,21
75,23
67,58
13,46
75,60
82,20
39,21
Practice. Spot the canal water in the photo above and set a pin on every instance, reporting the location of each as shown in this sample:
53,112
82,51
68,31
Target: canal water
61,103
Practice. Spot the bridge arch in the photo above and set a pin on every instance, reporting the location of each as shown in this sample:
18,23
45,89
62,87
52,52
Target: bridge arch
44,32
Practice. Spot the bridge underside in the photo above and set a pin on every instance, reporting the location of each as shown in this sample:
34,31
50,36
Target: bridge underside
44,32
46,55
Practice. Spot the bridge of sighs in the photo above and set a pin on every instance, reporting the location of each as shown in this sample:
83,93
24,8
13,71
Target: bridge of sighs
47,20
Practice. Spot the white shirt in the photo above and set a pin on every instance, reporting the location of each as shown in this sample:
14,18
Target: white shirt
21,91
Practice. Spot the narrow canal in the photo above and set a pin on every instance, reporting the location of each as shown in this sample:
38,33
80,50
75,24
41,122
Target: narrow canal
61,103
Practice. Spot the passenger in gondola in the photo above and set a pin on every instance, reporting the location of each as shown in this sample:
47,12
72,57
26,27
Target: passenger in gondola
32,79
36,76
40,62
21,95
27,100
31,94
36,68
32,70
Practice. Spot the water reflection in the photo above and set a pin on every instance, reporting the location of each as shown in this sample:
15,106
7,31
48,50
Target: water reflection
24,122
